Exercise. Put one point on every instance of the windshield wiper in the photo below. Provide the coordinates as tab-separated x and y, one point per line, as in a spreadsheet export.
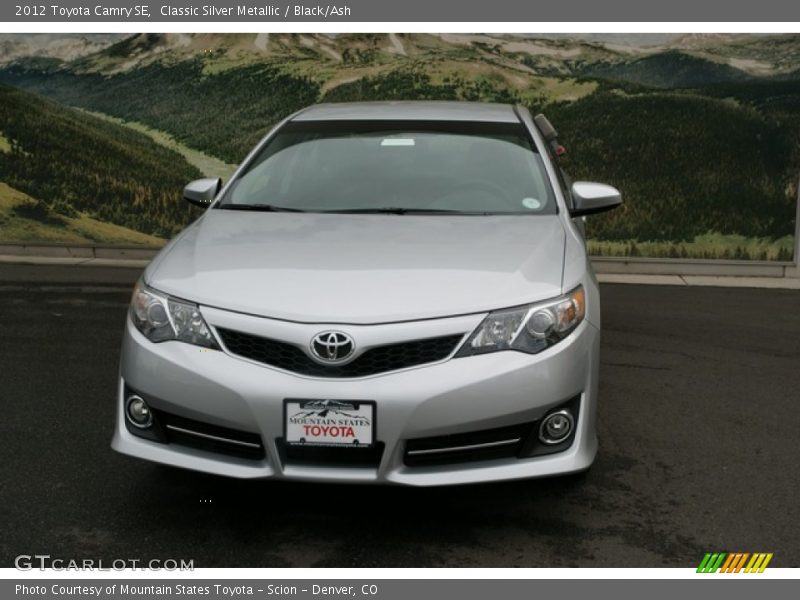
259	207
384	210
398	210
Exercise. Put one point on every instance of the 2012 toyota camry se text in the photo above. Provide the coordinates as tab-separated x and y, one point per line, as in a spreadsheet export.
390	292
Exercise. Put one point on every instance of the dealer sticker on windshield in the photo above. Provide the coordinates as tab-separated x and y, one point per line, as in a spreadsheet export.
330	423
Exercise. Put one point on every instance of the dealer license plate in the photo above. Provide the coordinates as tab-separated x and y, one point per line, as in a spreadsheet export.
330	423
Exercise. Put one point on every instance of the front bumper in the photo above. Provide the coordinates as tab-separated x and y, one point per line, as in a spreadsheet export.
455	396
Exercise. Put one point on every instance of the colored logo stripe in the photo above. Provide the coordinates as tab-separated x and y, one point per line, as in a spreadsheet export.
758	563
734	562
711	562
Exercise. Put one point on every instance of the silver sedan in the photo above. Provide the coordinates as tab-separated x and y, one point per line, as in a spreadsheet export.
383	292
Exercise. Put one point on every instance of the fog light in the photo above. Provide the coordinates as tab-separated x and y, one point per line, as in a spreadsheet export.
138	412
556	427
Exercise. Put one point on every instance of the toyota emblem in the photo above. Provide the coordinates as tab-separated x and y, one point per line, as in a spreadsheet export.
332	346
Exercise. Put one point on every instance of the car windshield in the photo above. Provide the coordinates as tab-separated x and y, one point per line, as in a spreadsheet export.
398	167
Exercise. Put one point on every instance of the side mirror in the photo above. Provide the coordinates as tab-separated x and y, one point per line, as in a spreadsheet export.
201	192
590	198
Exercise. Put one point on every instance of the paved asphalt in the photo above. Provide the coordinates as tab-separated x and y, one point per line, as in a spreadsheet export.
699	420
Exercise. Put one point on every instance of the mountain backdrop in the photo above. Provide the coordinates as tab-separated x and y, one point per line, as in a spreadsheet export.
700	132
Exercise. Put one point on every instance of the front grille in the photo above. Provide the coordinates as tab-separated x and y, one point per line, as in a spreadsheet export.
379	359
330	456
503	442
212	438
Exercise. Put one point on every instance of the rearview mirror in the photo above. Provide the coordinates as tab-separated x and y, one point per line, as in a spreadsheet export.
589	198
201	192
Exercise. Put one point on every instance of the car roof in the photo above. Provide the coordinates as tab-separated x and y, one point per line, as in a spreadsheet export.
410	111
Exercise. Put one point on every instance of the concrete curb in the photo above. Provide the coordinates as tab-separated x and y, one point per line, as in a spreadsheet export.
39	252
785	283
701	267
102	271
118	263
77	252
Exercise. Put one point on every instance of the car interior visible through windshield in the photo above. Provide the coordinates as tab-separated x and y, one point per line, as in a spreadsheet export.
436	166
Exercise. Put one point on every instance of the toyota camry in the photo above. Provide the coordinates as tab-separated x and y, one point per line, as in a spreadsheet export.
388	292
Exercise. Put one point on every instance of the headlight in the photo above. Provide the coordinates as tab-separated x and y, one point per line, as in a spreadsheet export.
161	318
530	328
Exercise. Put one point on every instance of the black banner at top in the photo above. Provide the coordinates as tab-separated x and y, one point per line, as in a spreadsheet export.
255	11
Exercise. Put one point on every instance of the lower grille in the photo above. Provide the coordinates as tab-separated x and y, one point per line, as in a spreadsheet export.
212	438
515	441
503	442
327	456
379	359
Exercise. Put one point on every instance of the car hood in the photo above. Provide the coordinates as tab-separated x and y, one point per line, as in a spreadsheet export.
334	268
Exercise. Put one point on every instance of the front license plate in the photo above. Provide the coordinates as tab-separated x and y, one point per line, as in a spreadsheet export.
330	423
